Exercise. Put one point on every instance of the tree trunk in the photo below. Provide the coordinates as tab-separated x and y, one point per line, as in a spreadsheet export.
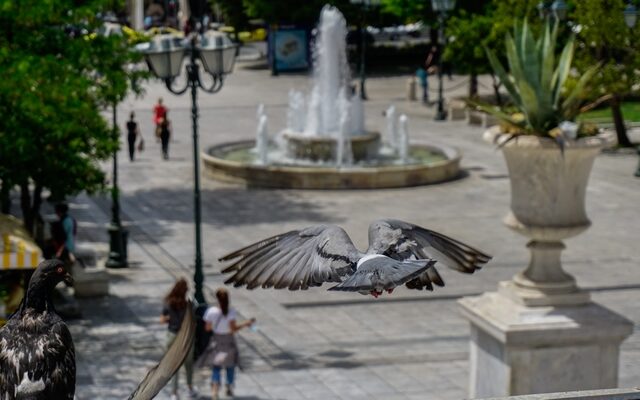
25	206
473	86
618	121
30	205
496	90
5	197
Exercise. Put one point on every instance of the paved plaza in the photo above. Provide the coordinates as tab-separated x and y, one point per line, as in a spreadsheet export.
316	344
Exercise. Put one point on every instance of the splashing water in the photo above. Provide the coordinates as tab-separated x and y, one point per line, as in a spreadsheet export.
331	89
262	140
392	126
344	153
403	138
296	113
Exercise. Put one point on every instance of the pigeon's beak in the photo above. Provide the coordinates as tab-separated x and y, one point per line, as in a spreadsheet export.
68	279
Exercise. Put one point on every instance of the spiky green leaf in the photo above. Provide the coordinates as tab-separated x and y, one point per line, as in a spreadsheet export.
503	76
571	105
562	72
496	112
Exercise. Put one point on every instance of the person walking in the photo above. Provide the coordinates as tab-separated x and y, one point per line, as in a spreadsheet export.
159	115
221	320
69	226
423	76
173	312
165	135
133	132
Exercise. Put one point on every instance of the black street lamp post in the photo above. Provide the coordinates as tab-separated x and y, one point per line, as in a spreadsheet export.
363	41
117	235
441	7
216	53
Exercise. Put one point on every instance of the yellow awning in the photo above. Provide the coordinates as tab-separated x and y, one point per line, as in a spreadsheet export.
17	249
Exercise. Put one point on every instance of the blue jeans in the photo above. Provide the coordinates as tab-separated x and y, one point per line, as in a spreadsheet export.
216	376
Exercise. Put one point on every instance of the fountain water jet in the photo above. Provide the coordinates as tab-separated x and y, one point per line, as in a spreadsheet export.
262	140
316	133
403	139
392	126
325	144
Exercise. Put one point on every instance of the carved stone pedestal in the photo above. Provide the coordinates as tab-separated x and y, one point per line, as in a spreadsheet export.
518	349
540	332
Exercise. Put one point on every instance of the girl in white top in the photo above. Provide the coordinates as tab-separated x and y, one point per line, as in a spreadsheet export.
221	321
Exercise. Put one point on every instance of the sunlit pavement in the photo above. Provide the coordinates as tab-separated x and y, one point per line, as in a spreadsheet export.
317	344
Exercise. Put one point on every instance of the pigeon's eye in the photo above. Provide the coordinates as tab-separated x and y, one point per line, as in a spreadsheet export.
60	270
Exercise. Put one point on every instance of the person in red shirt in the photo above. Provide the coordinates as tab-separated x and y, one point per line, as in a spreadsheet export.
159	115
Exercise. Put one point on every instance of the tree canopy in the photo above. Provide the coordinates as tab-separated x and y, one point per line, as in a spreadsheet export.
603	38
56	78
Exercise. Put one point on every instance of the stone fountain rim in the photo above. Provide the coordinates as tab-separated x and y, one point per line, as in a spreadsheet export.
452	154
365	136
495	135
316	177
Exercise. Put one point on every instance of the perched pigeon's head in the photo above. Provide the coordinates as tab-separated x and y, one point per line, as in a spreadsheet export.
49	273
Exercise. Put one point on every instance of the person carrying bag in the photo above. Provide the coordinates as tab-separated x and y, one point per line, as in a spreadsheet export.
222	351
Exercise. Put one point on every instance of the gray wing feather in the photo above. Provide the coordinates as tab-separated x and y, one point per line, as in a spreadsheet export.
402	240
383	274
294	260
159	376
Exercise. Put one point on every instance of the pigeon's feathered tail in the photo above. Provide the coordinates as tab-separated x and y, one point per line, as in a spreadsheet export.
383	273
159	375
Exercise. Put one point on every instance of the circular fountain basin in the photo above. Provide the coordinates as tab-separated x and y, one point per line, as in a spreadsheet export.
318	148
234	162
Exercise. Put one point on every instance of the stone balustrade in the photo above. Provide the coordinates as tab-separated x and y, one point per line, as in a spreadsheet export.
606	394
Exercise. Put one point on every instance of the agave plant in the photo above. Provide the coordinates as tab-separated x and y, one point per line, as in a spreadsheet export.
536	82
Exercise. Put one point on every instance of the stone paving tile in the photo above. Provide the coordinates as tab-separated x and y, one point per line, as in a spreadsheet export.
413	343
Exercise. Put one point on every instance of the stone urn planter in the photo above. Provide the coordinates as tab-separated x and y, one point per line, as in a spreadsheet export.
539	332
548	190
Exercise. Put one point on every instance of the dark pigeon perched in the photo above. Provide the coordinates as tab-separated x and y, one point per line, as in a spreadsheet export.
399	253
37	357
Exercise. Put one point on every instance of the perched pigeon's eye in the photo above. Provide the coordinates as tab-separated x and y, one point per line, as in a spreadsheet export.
60	270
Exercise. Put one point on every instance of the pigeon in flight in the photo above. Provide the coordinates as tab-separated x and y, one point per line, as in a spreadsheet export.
37	356
399	253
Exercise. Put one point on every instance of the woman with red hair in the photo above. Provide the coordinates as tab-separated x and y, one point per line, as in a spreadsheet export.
173	312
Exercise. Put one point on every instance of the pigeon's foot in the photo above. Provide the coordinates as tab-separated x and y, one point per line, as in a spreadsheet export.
389	291
376	293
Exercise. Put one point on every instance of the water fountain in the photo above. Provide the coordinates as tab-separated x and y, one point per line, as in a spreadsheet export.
325	144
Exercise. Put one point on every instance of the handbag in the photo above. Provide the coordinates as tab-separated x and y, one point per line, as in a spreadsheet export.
203	338
141	145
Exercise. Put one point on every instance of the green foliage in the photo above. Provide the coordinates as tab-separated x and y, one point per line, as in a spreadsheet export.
630	109
293	11
536	82
506	13
235	13
604	38
468	36
56	78
407	10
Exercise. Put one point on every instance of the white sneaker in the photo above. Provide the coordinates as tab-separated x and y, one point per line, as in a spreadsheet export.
193	394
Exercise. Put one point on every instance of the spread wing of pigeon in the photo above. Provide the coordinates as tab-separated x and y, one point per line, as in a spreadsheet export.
158	376
399	253
37	356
